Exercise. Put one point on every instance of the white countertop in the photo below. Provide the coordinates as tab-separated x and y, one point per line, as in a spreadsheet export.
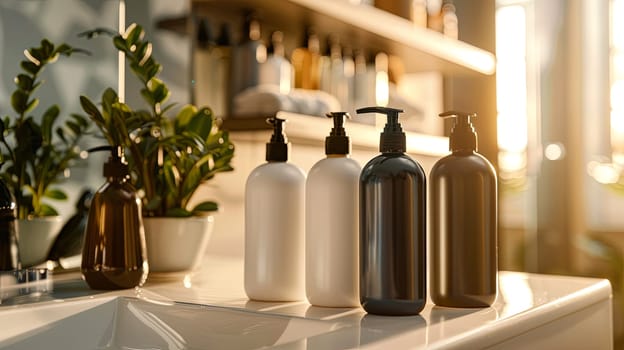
527	304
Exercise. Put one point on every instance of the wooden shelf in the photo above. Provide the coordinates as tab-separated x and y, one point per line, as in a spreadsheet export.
362	26
313	130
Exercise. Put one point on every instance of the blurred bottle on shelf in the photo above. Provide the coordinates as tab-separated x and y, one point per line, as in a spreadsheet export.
277	70
361	83
442	17
434	15
348	85
449	20
211	68
334	71
305	60
247	56
419	13
201	62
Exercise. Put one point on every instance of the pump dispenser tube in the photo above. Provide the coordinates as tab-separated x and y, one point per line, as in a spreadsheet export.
463	222
274	225
392	226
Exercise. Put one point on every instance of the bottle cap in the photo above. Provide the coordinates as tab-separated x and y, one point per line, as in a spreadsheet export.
463	136
392	139
338	142
277	148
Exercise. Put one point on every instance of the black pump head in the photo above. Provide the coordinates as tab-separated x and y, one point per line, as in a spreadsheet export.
463	136
116	165
277	148
392	139
337	142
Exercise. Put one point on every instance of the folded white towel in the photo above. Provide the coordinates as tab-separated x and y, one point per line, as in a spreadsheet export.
266	100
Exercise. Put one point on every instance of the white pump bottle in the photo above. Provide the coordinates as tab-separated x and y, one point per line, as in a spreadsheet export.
332	224
274	225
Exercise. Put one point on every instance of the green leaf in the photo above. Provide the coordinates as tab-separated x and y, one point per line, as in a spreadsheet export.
153	204
47	210
29	138
30	67
184	117
191	182
147	96
24	82
61	134
158	89
37	54
91	109
120	44
80	120
133	33
143	52
19	101
55	194
201	123
206	206
47	122
151	70
47	49
74	127
64	49
31	105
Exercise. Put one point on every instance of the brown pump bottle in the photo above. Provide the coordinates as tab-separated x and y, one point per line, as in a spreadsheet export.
463	222
114	254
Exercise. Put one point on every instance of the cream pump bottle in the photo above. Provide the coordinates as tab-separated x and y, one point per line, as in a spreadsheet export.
274	225
392	226
463	222
331	240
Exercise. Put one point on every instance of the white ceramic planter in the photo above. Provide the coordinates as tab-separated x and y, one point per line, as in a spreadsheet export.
176	244
36	237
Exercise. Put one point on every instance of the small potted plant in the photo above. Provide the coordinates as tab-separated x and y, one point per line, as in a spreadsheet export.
169	156
36	153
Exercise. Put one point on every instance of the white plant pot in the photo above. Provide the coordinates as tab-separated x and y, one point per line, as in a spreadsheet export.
36	237
176	244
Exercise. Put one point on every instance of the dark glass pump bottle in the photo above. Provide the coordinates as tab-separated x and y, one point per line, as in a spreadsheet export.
114	254
463	222
9	252
392	226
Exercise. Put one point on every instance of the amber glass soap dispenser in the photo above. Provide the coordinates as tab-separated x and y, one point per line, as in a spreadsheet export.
392	226
114	254
463	222
9	246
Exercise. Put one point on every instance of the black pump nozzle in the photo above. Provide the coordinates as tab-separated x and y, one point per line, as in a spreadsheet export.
116	165
337	142
463	136
204	34
392	139
277	148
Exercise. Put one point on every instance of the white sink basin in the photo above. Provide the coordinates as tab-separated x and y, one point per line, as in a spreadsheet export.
129	323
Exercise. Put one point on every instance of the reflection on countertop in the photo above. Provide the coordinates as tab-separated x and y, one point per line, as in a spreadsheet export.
209	306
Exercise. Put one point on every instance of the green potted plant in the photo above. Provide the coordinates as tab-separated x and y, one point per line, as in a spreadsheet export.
37	152
169	155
